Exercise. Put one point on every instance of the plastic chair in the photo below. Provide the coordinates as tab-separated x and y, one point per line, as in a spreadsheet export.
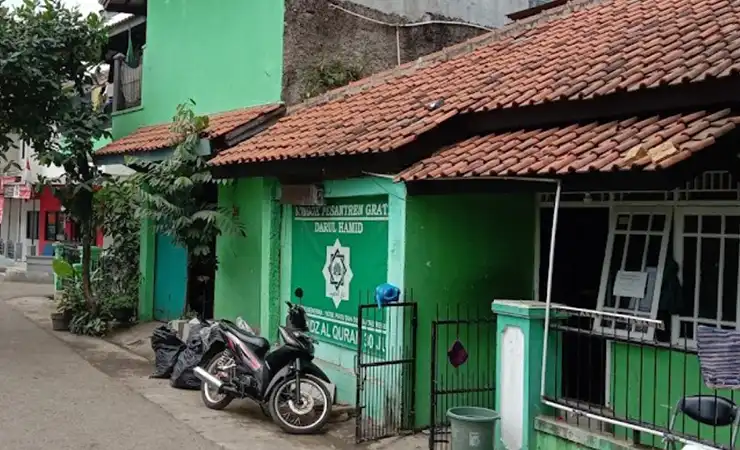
708	410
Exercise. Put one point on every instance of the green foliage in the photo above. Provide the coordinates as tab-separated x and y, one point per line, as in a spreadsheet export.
330	75
46	52
173	192
88	323
62	268
72	299
117	283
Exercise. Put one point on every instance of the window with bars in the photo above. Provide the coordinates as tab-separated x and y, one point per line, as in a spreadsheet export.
703	285
708	247
632	273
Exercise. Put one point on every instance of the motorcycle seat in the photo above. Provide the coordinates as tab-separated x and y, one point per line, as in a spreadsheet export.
259	344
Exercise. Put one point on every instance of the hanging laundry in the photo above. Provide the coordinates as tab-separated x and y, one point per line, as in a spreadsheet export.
718	357
457	355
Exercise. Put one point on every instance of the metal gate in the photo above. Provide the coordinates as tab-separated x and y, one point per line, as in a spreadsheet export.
463	366
386	370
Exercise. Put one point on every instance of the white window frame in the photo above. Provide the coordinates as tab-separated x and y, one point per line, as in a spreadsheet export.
677	320
614	213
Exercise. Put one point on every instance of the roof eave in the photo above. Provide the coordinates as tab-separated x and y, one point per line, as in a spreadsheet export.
156	155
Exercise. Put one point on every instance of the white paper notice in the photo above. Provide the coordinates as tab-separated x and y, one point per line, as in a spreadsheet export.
630	284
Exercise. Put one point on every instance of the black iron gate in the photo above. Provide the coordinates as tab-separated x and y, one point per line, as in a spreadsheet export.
463	366
385	369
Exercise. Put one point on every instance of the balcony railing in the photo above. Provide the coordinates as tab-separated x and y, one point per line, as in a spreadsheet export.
630	387
126	84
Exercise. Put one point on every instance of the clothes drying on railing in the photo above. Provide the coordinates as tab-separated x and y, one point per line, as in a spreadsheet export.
719	357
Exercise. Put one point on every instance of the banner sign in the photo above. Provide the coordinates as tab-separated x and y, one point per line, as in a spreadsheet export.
21	191
339	256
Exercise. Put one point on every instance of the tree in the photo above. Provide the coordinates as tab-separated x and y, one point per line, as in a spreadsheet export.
46	55
173	193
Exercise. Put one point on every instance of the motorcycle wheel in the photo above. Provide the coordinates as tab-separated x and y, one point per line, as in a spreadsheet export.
210	396
283	406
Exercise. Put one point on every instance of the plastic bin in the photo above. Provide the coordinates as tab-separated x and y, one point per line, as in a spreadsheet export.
472	428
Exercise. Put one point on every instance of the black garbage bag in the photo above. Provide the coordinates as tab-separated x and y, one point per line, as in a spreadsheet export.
182	375
167	348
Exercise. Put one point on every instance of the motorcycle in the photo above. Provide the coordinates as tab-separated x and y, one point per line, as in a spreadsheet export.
284	381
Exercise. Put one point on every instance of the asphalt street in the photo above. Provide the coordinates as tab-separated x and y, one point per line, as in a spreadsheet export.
51	398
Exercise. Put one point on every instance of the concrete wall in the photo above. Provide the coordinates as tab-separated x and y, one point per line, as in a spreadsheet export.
490	13
554	434
318	35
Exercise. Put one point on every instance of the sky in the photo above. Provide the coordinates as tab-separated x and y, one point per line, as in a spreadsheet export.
86	6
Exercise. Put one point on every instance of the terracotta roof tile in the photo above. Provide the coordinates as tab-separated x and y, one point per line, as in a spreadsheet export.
647	144
157	137
581	50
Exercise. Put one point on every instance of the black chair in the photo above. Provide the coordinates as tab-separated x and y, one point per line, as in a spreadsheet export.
709	410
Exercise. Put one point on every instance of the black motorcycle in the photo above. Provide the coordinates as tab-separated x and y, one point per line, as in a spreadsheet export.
240	364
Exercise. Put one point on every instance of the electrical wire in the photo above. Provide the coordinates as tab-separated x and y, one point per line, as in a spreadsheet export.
409	25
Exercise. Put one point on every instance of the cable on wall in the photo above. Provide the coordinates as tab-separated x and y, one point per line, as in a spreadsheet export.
398	26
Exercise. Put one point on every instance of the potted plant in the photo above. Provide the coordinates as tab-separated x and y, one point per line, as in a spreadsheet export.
71	301
122	308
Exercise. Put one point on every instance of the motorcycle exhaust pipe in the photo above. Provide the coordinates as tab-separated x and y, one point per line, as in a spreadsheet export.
207	378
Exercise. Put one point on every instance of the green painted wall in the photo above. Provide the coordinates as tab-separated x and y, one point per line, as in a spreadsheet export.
466	249
127	121
241	282
661	377
336	361
223	58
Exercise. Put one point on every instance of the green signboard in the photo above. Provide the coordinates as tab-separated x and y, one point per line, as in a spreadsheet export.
340	254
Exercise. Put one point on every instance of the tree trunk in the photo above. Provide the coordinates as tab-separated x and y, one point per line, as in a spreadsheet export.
86	264
188	304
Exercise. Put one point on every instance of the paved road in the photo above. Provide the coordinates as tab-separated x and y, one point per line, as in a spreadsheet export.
51	398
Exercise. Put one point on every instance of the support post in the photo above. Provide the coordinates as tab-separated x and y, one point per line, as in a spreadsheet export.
520	343
117	61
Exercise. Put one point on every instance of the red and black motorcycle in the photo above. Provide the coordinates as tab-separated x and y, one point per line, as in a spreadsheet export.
285	381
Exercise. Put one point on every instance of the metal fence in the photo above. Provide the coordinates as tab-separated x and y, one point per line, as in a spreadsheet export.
463	364
613	379
385	369
70	252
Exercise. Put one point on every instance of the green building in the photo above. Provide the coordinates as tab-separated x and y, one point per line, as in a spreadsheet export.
185	50
443	177
440	177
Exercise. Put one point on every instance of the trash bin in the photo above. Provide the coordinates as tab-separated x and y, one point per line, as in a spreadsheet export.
472	428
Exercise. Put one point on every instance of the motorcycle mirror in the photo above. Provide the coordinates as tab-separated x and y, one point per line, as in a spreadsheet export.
299	293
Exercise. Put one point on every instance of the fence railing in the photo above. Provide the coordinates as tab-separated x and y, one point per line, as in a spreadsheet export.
463	364
615	380
385	368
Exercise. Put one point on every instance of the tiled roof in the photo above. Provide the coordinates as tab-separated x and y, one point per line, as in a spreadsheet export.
157	137
648	144
578	51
